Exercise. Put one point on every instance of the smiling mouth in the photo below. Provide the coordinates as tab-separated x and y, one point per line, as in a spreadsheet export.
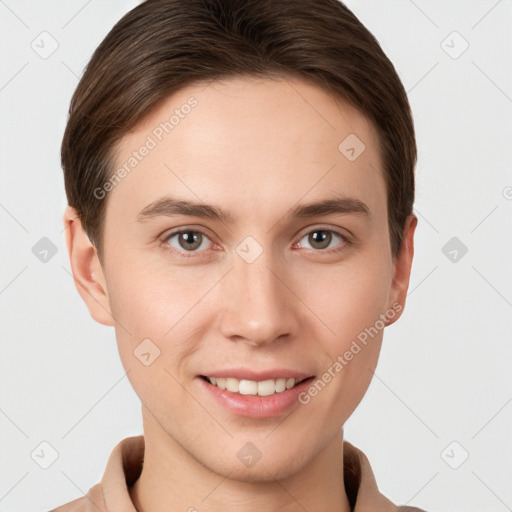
250	387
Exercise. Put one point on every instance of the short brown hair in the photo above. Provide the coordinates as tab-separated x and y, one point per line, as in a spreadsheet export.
162	46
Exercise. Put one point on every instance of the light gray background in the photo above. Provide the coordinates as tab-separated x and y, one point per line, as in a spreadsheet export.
444	373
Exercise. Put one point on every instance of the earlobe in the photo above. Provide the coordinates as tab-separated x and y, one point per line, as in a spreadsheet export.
86	268
402	269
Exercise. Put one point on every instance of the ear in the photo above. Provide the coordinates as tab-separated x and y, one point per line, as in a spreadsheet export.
87	271
402	269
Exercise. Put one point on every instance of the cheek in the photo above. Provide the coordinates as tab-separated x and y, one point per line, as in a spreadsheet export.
351	355
349	299
150	296
352	303
153	331
167	307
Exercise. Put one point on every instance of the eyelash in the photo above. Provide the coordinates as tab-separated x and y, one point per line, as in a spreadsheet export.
346	242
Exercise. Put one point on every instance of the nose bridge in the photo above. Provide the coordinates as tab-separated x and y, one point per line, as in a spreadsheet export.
257	305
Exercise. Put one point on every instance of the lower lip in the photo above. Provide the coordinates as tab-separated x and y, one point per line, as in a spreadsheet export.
255	406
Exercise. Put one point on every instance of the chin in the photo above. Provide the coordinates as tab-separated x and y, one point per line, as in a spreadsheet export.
259	474
261	471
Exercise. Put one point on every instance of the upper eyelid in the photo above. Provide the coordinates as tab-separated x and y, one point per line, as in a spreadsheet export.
337	231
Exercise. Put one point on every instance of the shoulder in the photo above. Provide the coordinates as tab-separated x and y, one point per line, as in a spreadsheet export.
77	505
93	501
361	486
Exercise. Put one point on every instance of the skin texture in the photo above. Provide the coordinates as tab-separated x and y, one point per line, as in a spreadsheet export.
257	148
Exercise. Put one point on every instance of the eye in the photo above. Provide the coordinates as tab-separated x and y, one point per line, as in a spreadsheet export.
186	240
321	239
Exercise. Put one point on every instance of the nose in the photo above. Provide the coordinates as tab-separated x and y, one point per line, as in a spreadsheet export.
258	306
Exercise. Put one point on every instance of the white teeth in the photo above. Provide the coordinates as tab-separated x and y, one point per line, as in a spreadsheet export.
280	385
251	387
248	387
232	385
290	383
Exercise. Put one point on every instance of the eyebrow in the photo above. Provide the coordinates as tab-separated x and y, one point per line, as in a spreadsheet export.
170	206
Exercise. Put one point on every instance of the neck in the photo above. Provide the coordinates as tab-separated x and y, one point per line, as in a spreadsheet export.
172	479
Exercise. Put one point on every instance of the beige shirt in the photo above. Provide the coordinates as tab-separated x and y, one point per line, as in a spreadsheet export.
125	465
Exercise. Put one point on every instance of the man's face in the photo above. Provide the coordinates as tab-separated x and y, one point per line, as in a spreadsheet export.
263	290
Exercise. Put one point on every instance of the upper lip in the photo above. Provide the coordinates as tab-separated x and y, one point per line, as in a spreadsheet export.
247	374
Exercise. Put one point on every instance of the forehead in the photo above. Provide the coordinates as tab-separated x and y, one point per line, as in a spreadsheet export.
251	139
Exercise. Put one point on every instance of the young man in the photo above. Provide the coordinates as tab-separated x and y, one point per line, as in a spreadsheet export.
240	179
